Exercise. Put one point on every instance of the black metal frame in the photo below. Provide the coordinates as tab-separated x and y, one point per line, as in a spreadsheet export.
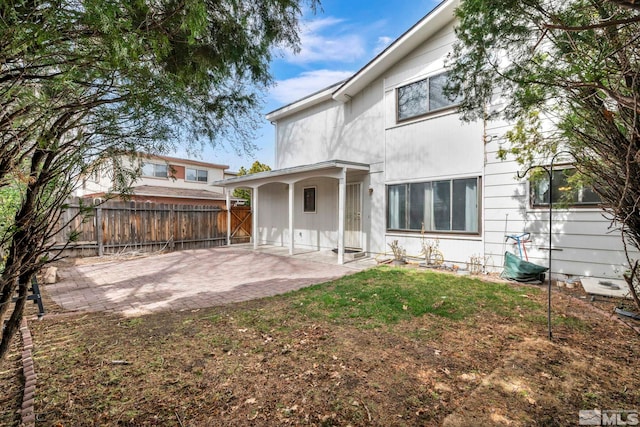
35	296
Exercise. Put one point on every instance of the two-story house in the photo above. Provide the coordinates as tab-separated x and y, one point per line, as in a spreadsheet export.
166	179
384	156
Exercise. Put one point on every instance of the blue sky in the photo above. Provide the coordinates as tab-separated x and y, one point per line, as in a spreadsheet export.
336	42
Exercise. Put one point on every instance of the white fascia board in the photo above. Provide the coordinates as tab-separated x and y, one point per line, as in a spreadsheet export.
269	175
405	44
302	104
184	197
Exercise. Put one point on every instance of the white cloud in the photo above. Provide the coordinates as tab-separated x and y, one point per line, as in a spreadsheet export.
321	40
383	42
305	84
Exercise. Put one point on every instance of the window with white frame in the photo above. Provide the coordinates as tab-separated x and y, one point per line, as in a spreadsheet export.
156	170
309	199
422	97
565	190
198	175
440	206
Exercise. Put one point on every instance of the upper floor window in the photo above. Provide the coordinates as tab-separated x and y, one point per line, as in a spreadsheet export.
422	97
155	170
565	190
199	175
448	205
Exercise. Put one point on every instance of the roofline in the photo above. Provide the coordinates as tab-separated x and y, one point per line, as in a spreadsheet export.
221	197
185	161
103	193
306	102
289	171
402	46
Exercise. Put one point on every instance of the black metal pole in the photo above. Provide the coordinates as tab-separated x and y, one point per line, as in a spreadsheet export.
550	172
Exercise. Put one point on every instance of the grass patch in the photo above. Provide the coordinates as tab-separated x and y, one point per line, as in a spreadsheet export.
386	295
313	357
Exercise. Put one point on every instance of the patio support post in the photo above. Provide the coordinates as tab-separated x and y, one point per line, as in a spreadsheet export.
254	214
291	210
228	197
342	199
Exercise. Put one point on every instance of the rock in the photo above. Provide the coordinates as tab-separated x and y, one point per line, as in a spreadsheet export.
50	275
443	388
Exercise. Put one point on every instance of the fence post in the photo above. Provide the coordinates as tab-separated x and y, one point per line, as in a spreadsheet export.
99	230
228	200
172	226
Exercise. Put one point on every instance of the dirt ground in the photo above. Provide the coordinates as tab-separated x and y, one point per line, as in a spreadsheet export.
265	362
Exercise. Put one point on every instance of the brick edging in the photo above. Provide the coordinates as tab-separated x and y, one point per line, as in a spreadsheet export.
27	411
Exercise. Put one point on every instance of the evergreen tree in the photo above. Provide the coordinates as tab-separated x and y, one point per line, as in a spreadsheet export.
83	82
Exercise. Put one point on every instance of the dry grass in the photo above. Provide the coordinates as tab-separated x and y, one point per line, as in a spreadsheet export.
343	353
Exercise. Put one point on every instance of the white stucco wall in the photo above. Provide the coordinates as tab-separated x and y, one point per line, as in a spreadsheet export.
428	148
332	130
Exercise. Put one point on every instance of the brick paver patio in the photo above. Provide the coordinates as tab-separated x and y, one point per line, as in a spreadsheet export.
187	280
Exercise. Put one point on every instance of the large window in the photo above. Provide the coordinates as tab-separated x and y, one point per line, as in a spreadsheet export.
155	170
565	190
199	175
450	205
422	97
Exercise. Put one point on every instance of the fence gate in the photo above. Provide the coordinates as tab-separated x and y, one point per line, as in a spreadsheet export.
241	224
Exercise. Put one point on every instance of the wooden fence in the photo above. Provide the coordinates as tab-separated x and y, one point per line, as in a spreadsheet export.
125	227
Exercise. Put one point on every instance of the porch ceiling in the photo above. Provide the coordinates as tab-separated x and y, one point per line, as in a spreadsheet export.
332	168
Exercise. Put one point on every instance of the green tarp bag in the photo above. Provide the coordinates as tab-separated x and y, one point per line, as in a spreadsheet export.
520	270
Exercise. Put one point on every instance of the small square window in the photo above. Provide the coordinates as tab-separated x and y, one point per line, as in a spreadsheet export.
310	199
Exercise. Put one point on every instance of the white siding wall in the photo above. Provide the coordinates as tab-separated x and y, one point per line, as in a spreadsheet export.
317	230
310	230
273	220
581	236
435	147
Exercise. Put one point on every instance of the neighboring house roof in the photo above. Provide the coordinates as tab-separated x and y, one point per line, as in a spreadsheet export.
269	175
178	193
181	193
186	161
405	44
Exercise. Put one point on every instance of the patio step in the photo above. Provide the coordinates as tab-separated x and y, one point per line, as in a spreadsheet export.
351	256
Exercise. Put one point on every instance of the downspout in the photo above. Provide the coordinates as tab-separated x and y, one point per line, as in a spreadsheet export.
275	146
484	183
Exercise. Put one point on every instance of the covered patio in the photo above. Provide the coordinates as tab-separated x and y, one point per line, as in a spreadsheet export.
280	194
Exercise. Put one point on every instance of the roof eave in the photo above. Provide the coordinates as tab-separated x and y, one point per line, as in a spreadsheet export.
230	182
304	103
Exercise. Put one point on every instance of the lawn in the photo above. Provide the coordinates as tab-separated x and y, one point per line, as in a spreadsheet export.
384	347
